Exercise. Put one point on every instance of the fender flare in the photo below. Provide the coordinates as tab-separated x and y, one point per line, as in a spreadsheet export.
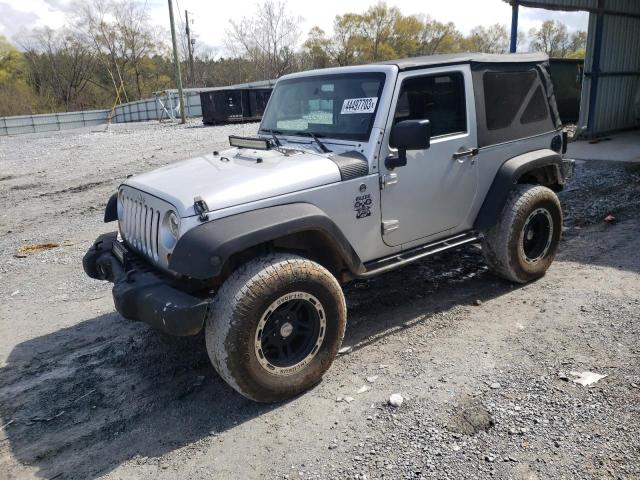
507	176
202	251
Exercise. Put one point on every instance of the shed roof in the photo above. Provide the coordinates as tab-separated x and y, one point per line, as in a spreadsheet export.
456	58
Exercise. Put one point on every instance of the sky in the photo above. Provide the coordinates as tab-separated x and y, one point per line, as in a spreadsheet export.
211	17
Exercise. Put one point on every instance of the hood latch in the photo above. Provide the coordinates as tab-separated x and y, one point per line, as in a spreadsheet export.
201	208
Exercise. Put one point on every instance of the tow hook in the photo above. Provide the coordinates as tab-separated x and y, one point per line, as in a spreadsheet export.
201	208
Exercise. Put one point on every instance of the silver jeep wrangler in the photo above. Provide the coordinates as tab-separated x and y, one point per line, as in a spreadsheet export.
355	171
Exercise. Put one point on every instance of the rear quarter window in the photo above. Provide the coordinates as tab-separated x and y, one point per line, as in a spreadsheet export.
504	93
537	109
514	105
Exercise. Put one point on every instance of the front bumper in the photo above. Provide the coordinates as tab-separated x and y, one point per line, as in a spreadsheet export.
141	294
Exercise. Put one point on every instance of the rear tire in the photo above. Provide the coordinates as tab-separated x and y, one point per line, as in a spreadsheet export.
276	326
523	243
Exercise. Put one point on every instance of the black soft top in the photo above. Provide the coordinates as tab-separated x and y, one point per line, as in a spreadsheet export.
458	58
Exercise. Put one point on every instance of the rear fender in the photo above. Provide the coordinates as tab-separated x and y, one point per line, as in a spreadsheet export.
510	173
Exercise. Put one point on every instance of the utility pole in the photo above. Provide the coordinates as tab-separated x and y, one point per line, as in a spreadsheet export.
183	118
190	45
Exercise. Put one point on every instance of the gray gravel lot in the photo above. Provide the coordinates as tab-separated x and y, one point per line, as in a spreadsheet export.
483	366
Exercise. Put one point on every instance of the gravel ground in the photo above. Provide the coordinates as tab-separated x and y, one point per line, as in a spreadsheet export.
484	367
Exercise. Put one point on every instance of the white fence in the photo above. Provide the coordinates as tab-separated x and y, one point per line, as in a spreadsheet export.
151	109
140	111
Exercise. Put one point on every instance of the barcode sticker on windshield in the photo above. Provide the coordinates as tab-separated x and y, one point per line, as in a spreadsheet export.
359	105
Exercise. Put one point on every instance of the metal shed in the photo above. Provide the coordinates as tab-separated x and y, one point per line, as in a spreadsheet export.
610	99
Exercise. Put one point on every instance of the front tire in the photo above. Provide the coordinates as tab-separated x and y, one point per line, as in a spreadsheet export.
276	326
523	243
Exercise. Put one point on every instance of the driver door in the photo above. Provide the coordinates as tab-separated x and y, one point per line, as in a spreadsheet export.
432	195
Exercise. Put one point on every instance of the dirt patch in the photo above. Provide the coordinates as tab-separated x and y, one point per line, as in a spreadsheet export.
36	248
470	416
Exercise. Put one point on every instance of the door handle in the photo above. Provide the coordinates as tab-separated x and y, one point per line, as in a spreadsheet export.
463	153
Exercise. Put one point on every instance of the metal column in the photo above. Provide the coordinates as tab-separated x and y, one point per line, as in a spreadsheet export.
595	69
514	26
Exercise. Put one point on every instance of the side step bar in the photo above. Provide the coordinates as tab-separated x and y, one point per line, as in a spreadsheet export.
398	260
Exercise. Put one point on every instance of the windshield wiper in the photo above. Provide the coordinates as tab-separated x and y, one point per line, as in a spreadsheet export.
273	135
322	146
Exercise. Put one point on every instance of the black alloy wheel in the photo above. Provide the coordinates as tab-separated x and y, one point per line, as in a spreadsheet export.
537	234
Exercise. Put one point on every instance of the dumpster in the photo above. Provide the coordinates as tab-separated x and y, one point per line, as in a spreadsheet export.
566	75
233	105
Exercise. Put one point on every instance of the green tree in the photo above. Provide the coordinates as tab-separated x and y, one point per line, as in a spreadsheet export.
318	48
551	38
347	40
437	37
16	95
578	44
380	33
492	39
377	33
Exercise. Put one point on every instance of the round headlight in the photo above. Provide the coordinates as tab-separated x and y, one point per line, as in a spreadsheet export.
174	224
170	230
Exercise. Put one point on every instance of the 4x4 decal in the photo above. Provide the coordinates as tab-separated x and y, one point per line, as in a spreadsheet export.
362	206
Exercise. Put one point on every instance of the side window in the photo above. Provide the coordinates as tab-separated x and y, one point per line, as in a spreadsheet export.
437	98
504	94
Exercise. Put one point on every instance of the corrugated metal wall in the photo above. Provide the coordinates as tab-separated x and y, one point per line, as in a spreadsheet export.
615	106
559	4
626	6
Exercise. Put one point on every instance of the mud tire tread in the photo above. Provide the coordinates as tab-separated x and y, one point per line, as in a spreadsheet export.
499	245
233	312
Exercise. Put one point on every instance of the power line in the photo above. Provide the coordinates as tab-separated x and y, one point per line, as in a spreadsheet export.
180	16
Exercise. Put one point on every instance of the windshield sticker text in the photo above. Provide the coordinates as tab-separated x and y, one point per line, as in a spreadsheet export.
359	105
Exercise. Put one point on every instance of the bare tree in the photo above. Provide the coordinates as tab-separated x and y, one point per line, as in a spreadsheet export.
122	38
268	39
61	65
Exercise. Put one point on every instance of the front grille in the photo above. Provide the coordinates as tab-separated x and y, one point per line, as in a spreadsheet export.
140	225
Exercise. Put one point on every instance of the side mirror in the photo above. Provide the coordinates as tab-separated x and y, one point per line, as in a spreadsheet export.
408	135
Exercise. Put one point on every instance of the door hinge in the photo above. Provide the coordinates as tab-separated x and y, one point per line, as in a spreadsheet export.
389	226
388	179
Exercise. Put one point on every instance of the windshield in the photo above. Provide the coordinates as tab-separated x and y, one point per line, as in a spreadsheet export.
338	106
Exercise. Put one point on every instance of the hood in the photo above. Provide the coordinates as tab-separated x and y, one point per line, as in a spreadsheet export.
236	176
